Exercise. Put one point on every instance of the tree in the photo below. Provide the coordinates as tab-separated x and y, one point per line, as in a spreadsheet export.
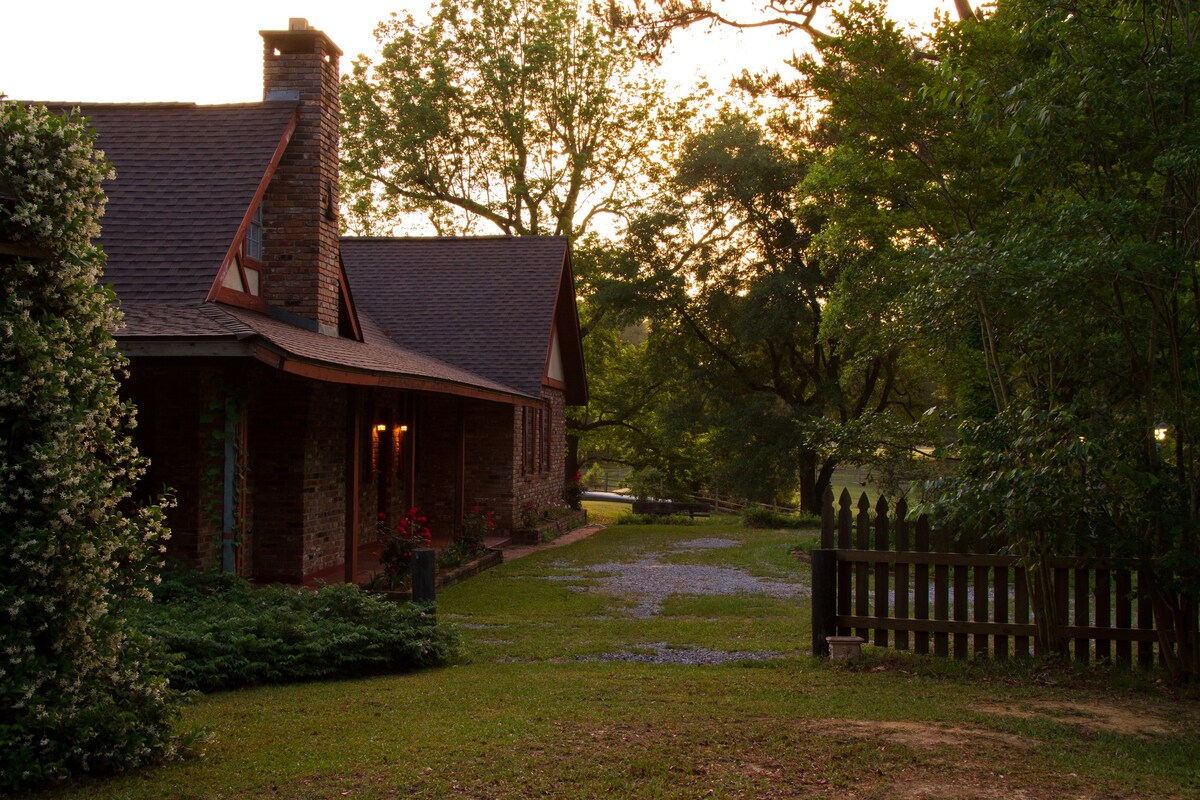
1087	299
80	691
735	285
1038	173
531	116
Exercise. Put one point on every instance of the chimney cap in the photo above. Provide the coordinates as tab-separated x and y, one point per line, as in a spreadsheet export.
300	37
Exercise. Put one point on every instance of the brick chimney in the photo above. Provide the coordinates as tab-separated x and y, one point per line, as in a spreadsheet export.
300	226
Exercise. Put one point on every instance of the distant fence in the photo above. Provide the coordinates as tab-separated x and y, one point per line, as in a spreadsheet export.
900	583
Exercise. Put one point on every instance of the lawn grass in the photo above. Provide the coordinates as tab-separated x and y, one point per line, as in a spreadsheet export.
533	713
605	512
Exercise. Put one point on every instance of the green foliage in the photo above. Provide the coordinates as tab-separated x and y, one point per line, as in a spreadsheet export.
763	517
731	273
225	633
530	115
79	690
654	519
1033	176
468	542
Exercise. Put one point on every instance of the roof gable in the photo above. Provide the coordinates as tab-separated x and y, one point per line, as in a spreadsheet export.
490	305
187	179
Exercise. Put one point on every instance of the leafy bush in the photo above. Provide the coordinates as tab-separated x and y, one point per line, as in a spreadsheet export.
79	691
763	517
654	519
225	632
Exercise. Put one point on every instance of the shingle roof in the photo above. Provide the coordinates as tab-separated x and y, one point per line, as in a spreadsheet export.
186	176
376	355
456	315
486	304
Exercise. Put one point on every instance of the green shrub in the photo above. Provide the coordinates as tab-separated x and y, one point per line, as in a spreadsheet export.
224	632
79	691
654	519
762	517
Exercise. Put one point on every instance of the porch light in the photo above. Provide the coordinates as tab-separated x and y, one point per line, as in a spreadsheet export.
402	428
381	427
1160	432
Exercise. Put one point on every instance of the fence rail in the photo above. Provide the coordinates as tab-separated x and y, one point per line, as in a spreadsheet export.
901	583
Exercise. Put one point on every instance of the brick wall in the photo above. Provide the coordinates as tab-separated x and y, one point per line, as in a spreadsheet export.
542	484
298	472
436	427
178	432
300	231
324	483
278	421
489	468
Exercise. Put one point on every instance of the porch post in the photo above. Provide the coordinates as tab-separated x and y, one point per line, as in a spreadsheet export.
460	469
353	459
228	554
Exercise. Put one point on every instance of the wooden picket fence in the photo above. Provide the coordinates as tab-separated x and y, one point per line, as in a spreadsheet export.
903	584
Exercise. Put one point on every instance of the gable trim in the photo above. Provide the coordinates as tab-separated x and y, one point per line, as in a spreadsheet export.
218	282
344	297
570	347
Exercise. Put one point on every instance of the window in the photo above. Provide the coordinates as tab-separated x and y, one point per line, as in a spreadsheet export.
545	417
254	236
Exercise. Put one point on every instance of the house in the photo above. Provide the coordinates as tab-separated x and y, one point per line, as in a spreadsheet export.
296	389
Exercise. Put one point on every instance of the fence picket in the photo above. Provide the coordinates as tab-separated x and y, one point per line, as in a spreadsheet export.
921	585
1083	645
901	572
1124	581
881	569
980	610
1000	603
1094	599
1062	603
1103	595
1145	615
843	572
1021	609
941	596
827	519
961	599
862	570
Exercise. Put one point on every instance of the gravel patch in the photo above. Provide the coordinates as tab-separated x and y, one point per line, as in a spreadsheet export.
660	653
648	581
709	543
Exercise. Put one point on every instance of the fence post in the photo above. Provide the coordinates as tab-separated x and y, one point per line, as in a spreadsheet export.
824	599
424	572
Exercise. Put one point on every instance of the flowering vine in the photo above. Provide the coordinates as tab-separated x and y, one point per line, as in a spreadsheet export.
80	691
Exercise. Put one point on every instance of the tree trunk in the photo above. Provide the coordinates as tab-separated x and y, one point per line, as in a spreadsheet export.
815	477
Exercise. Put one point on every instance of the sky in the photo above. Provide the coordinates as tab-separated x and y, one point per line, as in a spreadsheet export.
123	51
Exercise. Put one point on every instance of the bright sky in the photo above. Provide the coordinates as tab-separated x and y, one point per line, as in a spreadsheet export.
210	52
